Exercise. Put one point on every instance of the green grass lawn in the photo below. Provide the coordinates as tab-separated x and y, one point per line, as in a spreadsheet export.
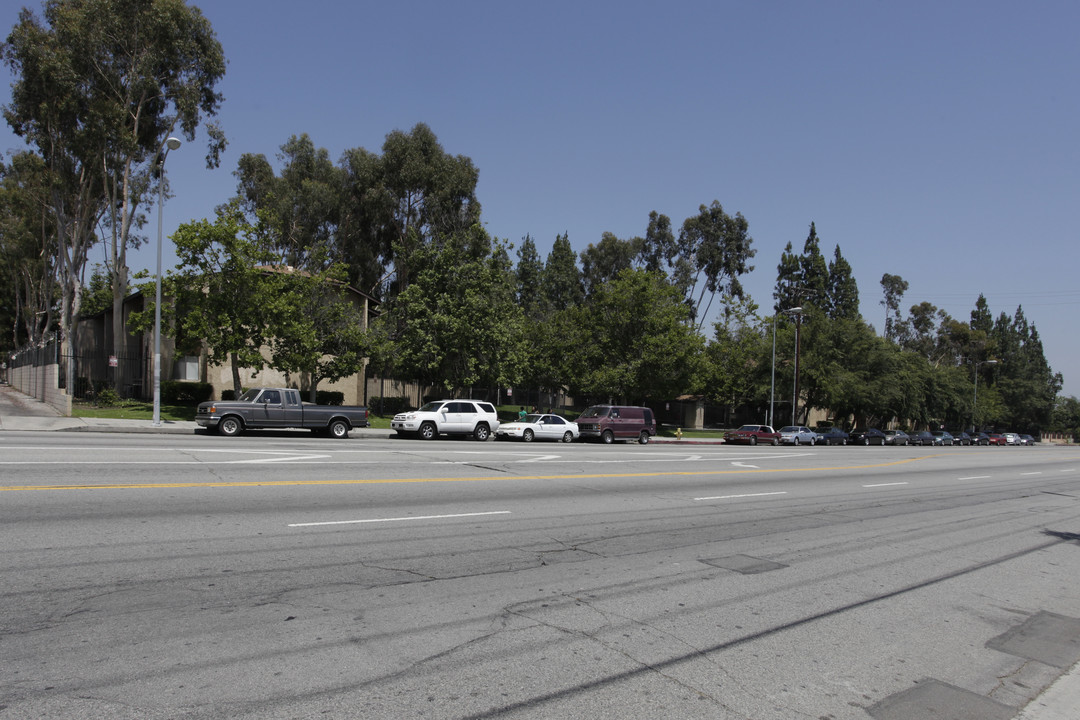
132	410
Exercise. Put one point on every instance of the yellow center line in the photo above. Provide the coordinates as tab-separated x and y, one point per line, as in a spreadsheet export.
480	478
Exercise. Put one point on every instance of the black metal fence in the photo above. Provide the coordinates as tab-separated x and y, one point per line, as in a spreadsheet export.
127	374
94	372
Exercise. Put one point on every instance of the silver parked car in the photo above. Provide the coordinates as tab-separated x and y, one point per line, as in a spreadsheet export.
896	437
797	435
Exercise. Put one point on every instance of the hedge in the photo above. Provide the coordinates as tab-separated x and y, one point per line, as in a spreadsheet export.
182	392
390	405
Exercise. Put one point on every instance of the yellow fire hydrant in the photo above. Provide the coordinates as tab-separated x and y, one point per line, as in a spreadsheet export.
678	433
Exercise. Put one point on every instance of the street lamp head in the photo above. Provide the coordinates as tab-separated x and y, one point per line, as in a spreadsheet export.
173	143
795	310
990	362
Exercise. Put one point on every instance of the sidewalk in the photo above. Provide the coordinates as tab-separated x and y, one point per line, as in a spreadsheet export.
21	412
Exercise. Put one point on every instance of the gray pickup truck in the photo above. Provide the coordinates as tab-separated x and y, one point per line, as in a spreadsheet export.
268	408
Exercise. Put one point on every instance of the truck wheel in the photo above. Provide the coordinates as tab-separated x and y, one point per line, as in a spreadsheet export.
608	437
482	432
568	437
339	429
230	426
527	436
428	431
643	438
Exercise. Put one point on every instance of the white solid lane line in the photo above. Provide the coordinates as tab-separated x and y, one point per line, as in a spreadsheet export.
732	497
884	484
399	519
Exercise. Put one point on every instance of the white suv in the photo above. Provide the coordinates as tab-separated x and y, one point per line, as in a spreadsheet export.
461	417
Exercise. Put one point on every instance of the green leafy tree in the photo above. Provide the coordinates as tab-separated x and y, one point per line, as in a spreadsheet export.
315	330
802	280
842	296
530	280
1066	416
981	319
299	210
893	287
456	325
28	270
224	291
1027	384
99	86
659	248
605	260
98	294
427	196
717	246
562	283
633	341
737	363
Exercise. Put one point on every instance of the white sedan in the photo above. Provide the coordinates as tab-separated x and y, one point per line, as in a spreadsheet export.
797	435
539	427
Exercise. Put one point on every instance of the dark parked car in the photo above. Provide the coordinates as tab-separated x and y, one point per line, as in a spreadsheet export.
832	436
921	437
896	437
608	423
960	437
1027	440
870	436
980	439
943	438
752	435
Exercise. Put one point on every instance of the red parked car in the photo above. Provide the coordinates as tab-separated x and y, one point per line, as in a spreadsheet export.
997	439
752	435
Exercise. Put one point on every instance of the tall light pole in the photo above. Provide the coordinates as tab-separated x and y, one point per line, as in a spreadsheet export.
163	152
795	389
975	398
772	383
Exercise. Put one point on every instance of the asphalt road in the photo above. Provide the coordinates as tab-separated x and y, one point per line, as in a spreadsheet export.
284	576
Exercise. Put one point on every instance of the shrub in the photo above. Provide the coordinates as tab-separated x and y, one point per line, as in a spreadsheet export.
329	397
182	392
107	397
389	405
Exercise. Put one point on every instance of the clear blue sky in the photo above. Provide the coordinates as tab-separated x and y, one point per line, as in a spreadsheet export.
936	140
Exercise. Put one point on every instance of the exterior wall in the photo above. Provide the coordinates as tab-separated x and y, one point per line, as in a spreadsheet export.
220	378
379	387
41	382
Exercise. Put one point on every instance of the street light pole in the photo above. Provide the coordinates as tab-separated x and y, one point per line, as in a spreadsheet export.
975	398
795	388
772	383
163	152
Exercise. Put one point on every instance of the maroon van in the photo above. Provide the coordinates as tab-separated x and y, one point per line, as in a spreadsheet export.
609	423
